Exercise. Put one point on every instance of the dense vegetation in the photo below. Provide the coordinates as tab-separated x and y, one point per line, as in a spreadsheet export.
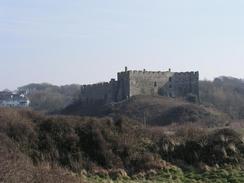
144	139
49	98
114	149
226	94
159	111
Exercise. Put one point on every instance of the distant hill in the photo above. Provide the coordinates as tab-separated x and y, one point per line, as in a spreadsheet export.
153	111
48	98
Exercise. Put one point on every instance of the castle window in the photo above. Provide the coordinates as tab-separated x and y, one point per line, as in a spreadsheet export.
155	84
170	79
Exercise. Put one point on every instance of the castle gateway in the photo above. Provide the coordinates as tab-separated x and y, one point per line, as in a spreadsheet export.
131	83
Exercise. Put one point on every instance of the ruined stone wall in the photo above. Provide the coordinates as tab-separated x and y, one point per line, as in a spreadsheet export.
104	92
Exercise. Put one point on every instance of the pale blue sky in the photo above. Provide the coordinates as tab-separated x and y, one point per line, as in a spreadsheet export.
86	41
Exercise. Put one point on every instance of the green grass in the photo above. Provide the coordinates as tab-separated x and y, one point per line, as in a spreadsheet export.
241	131
176	175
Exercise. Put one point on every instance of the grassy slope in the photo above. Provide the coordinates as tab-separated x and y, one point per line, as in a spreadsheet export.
176	175
76	143
155	110
16	166
163	111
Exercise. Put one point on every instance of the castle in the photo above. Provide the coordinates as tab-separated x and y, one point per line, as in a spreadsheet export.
131	83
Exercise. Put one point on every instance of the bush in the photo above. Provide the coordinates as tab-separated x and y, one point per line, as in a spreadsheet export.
78	143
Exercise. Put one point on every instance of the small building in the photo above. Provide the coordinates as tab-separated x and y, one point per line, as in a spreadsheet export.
10	99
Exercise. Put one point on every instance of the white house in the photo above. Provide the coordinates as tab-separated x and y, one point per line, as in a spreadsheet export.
9	99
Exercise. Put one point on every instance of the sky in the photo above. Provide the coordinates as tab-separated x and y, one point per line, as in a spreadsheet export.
86	41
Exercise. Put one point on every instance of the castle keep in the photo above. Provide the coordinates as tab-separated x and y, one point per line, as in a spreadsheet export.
131	83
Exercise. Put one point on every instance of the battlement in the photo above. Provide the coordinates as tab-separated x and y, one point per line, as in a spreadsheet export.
155	73
149	72
101	84
143	72
187	73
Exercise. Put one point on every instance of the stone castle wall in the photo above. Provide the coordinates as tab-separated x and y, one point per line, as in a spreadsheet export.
147	83
99	92
185	83
132	83
123	86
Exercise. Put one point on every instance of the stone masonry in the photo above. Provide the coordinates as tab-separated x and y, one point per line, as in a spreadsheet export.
131	83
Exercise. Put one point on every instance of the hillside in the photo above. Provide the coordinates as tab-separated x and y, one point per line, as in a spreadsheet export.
16	166
37	148
153	111
17	135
